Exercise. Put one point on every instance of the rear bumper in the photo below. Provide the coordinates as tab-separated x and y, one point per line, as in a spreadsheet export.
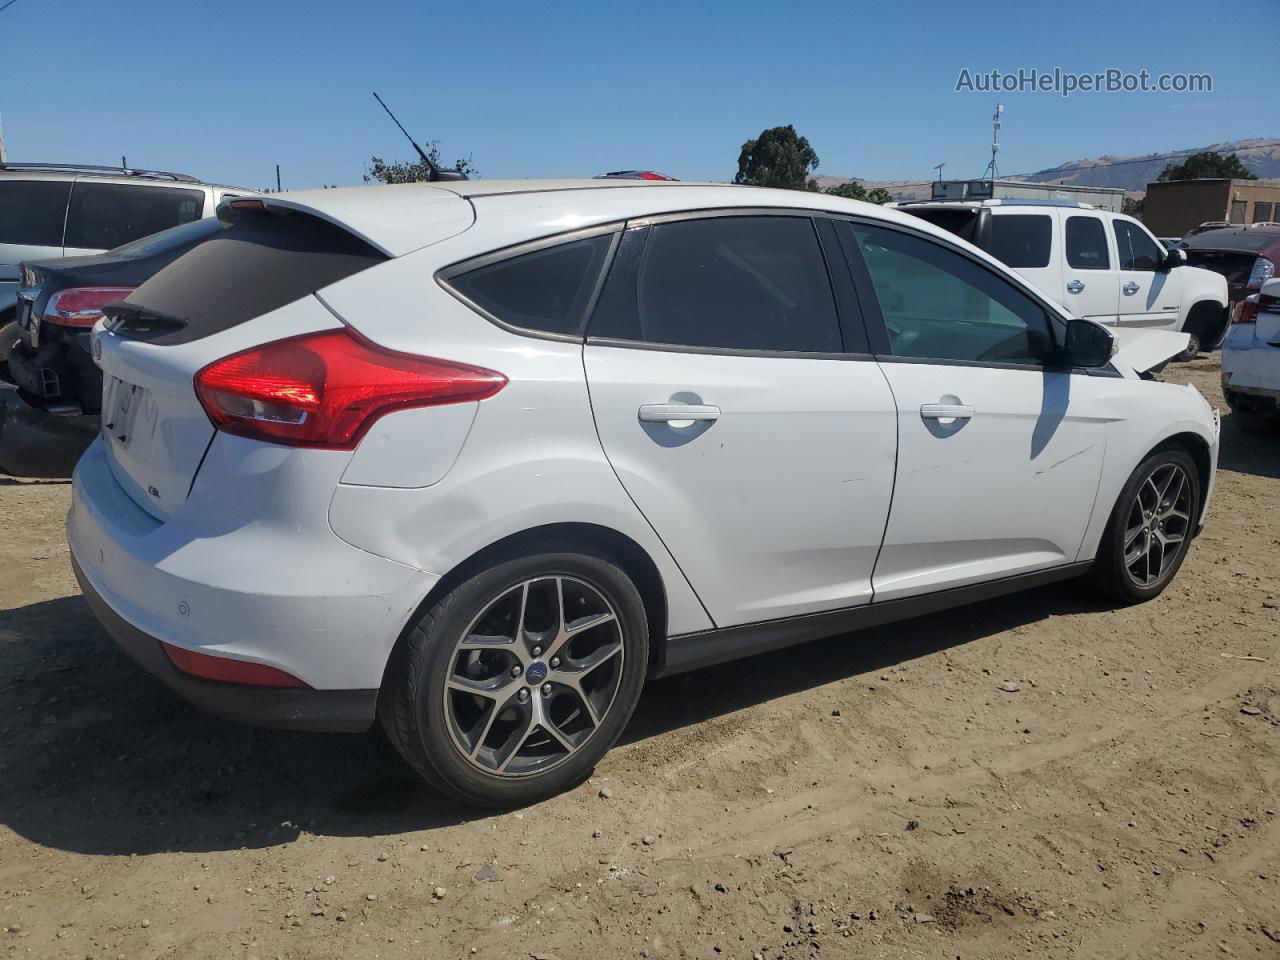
340	711
36	443
247	569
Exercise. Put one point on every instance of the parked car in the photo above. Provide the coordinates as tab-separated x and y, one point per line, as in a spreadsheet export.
55	415
1245	257
1251	360
64	210
1205	227
477	465
1097	264
634	175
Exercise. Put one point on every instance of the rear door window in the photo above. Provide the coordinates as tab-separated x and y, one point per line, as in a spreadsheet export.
106	215
724	283
547	290
32	212
1021	240
1086	242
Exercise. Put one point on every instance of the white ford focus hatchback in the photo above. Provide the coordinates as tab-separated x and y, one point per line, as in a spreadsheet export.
475	459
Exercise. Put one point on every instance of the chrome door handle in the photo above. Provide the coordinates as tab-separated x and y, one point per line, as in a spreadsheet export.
946	411
1075	286
1130	288
677	412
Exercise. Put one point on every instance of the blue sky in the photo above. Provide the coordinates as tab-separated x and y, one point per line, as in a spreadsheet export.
226	90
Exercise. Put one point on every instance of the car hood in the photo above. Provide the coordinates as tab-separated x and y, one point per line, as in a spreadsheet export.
1140	349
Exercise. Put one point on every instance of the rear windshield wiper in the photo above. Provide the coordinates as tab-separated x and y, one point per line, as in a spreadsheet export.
138	321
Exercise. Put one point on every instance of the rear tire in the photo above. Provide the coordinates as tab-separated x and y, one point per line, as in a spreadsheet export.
495	695
1150	528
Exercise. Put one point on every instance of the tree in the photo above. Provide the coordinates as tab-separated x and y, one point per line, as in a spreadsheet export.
1207	165
779	157
856	191
1132	207
382	172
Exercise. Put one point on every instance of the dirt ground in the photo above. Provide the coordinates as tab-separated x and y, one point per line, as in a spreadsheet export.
1036	776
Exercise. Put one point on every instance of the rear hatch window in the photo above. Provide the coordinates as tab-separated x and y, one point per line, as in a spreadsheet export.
261	262
1235	265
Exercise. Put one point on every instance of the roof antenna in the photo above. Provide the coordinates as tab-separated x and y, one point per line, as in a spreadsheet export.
433	172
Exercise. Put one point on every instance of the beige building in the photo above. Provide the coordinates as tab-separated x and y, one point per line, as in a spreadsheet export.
1174	207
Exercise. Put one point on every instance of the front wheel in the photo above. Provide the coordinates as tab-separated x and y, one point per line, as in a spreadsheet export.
515	683
1193	349
1150	528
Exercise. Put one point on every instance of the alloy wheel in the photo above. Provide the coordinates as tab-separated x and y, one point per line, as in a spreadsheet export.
533	676
1158	523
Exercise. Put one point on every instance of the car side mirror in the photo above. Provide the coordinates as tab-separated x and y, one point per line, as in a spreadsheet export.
1269	296
1174	258
1088	344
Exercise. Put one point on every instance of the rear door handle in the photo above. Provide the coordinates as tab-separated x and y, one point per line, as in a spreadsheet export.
1130	288
676	412
946	411
1075	286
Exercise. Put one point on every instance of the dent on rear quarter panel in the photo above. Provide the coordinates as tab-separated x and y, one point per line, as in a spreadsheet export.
531	457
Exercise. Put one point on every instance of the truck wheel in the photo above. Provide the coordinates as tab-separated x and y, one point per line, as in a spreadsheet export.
1193	349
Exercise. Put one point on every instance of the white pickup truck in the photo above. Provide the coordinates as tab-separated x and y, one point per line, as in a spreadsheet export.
1100	265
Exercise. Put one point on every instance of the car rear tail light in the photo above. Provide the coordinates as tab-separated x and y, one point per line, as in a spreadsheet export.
81	306
1246	311
326	389
1263	270
228	670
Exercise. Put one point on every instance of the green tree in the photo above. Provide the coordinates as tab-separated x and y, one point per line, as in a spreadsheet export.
850	191
856	191
779	157
1207	165
1132	207
382	172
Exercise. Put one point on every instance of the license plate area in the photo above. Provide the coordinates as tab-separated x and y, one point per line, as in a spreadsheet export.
121	402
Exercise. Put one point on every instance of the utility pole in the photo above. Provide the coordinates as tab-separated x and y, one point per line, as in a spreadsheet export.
3	155
277	178
938	167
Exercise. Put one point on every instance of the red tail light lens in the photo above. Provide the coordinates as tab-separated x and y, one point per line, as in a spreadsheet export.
326	389
1246	311
81	306
228	670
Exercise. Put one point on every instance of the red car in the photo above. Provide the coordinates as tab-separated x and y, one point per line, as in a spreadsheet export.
1246	256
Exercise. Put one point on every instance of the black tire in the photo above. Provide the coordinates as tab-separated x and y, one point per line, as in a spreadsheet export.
1193	349
1258	424
412	702
1110	574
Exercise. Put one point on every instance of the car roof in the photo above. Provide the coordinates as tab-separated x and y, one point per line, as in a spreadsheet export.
1241	239
399	218
104	175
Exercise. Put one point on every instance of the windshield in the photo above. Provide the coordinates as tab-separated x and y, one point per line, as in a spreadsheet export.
186	234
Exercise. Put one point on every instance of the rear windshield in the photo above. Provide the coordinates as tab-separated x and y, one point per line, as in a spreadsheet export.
32	212
1247	241
186	235
958	220
106	215
258	264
